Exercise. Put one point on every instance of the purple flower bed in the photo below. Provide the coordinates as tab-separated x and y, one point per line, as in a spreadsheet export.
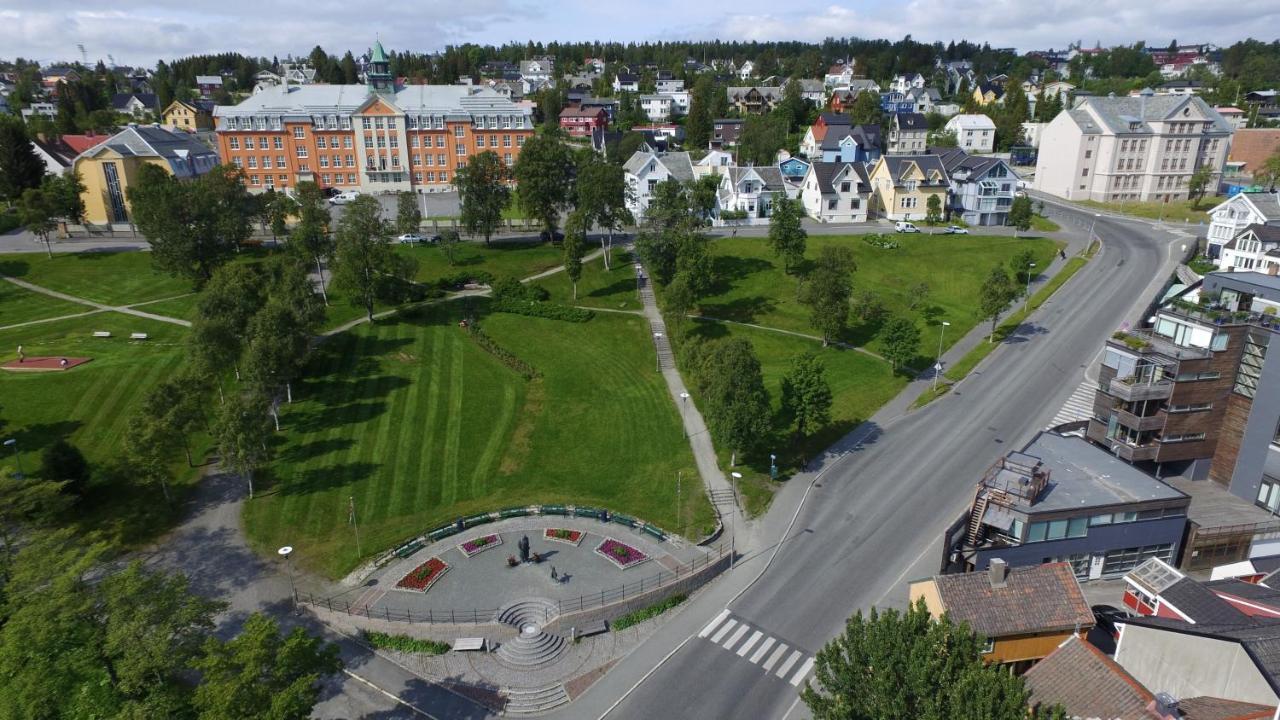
620	554
475	546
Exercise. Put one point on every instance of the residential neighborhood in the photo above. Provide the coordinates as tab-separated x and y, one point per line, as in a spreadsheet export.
547	366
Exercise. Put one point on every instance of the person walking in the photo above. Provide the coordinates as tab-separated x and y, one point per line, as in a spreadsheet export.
555	575
22	357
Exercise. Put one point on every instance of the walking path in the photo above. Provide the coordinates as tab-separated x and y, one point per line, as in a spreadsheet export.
793	333
100	307
722	493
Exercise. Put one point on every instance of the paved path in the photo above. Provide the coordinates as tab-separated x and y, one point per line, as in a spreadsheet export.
125	309
793	333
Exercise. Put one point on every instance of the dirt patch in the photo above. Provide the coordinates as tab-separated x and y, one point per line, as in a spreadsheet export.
576	686
404	357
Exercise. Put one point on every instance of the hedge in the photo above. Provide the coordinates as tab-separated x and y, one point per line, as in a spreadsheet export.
404	643
550	311
638	616
505	356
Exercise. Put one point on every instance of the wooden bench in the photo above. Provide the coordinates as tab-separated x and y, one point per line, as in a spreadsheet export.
138	336
470	644
101	334
590	629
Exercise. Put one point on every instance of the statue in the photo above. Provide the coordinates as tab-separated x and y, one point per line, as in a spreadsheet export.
524	548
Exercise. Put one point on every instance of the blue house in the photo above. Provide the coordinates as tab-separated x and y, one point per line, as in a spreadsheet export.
857	143
793	168
895	102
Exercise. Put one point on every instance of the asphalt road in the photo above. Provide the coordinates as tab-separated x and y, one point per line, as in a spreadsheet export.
874	520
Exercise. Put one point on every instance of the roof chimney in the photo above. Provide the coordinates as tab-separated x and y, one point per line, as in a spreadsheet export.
1166	706
998	572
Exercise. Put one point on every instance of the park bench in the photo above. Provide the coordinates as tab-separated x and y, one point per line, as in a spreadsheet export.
137	336
590	629
469	644
101	334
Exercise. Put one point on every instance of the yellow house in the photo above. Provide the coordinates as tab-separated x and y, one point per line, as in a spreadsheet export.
1024	613
108	170
902	184
986	93
189	116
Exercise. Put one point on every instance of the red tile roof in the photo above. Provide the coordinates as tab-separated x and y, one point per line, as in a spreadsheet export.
80	143
1211	708
1039	598
1087	683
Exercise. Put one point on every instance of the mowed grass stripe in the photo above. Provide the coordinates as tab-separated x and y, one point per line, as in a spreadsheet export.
487	464
431	491
389	426
413	490
453	426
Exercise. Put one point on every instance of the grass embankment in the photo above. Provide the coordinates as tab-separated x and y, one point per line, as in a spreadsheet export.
614	289
1184	211
647	613
1040	223
415	421
111	278
518	260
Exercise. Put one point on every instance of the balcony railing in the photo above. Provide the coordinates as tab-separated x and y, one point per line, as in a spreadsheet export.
1140	422
1134	453
1132	389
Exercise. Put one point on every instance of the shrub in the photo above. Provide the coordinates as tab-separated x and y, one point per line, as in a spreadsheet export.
885	242
457	280
404	643
505	356
509	288
550	311
63	462
638	616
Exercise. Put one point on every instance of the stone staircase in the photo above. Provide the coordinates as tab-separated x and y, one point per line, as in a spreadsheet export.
526	701
533	647
661	341
539	611
723	498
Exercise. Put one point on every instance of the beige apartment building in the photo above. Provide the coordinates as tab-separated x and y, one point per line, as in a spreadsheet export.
1131	148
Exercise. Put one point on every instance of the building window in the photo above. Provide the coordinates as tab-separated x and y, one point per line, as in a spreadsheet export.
458	131
324	180
266	162
479	141
1122	561
253	161
298	132
413	141
506	158
301	151
277	142
417	160
254	179
351	160
234	143
320	142
248	143
506	141
460	150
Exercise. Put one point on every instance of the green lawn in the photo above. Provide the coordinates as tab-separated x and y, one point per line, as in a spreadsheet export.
752	287
1040	223
112	278
91	405
19	305
421	426
612	290
519	260
182	307
1176	211
860	384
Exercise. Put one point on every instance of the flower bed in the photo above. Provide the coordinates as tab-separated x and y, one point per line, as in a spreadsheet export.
475	546
424	576
620	554
563	535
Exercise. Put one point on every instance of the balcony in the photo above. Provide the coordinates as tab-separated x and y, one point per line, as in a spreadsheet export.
1134	453
1140	422
1131	389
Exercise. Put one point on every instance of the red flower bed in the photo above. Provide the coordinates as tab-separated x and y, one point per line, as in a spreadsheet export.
424	576
620	554
564	535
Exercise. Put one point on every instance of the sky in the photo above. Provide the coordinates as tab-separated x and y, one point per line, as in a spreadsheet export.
143	31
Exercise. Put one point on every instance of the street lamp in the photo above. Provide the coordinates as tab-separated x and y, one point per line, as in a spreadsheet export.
937	365
1026	297
1092	225
657	356
733	520
285	552
17	456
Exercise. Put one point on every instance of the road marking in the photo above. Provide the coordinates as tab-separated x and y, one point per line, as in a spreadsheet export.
764	648
724	630
391	696
773	659
802	672
714	622
742	630
746	646
782	670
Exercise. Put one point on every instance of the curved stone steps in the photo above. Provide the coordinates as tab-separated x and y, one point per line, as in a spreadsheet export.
526	701
531	648
537	611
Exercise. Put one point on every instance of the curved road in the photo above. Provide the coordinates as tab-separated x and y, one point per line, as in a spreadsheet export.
874	516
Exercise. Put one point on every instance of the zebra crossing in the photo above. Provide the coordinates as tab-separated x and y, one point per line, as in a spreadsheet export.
1078	407
770	654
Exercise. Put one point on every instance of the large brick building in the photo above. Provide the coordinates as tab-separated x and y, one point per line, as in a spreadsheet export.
375	137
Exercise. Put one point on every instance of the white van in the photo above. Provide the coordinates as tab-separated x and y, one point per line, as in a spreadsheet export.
903	226
344	197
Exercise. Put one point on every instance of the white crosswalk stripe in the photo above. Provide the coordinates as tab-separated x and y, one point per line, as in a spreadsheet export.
764	648
802	672
1078	407
742	630
782	669
714	622
724	630
773	659
746	646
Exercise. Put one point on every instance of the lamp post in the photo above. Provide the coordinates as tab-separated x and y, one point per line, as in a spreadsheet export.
657	356
1093	225
285	552
17	456
1026	296
733	519
937	365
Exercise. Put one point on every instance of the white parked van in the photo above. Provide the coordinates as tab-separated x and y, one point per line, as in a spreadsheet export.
903	226
344	197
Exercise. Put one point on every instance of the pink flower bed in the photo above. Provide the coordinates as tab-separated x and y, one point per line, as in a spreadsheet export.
620	554
424	576
475	546
563	535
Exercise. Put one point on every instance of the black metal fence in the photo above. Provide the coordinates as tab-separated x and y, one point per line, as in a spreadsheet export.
476	616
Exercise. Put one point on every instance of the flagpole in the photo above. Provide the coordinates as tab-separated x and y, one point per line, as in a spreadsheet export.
355	527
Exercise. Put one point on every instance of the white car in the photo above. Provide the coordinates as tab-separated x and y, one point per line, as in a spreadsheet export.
410	238
344	197
955	230
905	227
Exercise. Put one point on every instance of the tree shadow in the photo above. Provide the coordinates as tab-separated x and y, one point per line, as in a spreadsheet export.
337	415
617	288
1022	333
321	479
745	309
303	452
14	268
730	268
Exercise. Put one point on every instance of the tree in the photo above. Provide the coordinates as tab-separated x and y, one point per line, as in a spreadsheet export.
35	212
943	139
64	463
602	198
678	299
408	214
737	403
1021	265
20	168
365	266
193	227
277	345
276	208
996	294
240	430
793	108
933	210
1198	184
866	109
787	235
699	121
895	664
762	137
919	295
806	394
230	299
484	186
311	235
901	340
574	242
449	240
262	674
828	291
1020	213
543	172
30	502
1269	174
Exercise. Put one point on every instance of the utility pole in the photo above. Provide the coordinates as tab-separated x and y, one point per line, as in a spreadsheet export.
355	527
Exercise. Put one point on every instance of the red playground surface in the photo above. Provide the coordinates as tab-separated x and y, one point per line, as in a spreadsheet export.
44	364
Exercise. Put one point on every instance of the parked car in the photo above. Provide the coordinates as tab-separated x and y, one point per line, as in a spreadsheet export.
905	227
1109	616
551	237
411	238
344	197
955	230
